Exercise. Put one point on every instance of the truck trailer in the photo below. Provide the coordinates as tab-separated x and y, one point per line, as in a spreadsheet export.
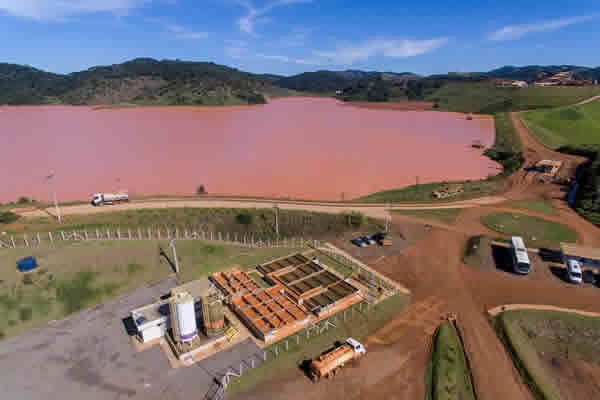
327	364
100	199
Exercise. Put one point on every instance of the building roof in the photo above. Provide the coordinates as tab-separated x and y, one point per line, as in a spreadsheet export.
198	288
591	253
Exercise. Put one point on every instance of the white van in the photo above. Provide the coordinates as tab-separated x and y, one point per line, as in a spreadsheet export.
521	264
574	272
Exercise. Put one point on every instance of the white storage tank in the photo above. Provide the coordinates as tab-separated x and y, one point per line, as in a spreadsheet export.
183	317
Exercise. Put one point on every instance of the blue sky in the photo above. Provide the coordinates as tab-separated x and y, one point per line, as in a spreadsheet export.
291	36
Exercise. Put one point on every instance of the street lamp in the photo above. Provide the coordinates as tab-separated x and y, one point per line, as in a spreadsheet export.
48	178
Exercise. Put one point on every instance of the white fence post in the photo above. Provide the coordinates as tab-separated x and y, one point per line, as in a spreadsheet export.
149	233
50	236
12	240
86	235
39	239
26	241
62	234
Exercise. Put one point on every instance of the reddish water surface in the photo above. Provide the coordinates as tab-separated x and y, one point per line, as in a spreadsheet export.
306	148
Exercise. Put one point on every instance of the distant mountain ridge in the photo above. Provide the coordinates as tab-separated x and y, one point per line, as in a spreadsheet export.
167	82
139	81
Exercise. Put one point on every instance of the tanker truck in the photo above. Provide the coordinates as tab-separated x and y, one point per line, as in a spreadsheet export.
329	363
100	199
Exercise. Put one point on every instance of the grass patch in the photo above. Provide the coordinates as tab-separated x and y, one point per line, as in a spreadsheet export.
573	126
258	280
535	231
448	376
486	98
76	275
445	215
423	192
533	205
525	356
260	222
358	327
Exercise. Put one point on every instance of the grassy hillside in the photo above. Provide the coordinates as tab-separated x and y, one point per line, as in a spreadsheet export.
484	97
571	126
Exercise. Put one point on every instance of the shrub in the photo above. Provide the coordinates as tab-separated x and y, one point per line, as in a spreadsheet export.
7	217
25	314
201	190
23	200
245	218
354	219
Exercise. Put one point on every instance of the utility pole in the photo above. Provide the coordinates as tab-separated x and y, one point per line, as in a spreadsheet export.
276	207
388	218
49	178
172	245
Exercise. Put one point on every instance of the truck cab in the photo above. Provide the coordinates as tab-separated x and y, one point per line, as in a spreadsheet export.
97	199
359	349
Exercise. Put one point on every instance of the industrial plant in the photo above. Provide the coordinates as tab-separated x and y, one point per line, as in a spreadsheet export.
266	304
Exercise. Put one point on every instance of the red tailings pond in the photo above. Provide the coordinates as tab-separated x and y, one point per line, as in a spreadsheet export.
305	148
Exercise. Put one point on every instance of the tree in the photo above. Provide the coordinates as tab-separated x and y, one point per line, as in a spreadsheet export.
245	218
8	217
201	190
23	200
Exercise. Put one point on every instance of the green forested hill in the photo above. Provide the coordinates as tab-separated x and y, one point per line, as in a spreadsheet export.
140	81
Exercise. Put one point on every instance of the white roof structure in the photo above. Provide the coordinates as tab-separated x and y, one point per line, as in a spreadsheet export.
520	250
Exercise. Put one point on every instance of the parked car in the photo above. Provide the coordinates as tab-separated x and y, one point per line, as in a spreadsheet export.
590	277
358	241
574	272
368	240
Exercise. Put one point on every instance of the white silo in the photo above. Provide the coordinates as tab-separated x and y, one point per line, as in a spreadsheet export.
183	318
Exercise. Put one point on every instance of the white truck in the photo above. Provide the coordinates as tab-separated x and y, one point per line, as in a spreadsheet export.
100	199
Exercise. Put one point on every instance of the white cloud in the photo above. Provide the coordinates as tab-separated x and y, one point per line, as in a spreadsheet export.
256	14
286	59
181	32
58	9
403	48
510	32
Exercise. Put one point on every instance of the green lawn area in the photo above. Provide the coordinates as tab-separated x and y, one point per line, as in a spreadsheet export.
359	326
485	98
534	205
531	334
570	126
448	376
76	275
536	232
445	215
423	192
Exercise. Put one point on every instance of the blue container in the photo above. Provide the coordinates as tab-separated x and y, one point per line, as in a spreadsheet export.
27	264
